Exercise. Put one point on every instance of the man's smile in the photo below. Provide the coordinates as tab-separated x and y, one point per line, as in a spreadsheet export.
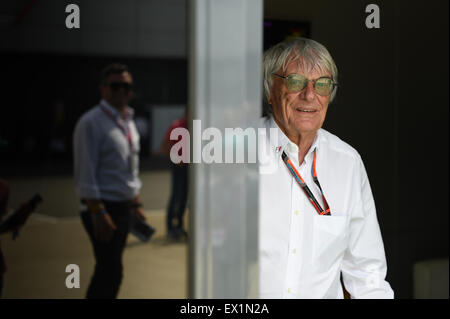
305	110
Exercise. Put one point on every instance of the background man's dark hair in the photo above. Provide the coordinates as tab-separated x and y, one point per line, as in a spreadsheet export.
115	68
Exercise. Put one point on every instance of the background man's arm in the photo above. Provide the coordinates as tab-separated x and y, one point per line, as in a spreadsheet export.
86	158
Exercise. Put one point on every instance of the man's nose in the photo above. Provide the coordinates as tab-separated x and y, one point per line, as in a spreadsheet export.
308	92
122	91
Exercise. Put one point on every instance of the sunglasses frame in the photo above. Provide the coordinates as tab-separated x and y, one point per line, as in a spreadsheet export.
333	83
121	85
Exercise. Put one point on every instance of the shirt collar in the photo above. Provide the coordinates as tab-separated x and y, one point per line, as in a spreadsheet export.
129	112
285	143
282	139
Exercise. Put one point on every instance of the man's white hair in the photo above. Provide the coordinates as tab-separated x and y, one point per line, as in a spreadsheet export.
309	53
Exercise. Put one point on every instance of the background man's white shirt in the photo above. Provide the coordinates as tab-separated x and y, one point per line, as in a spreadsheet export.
105	167
302	253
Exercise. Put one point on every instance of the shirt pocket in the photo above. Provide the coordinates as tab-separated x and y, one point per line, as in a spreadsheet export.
329	240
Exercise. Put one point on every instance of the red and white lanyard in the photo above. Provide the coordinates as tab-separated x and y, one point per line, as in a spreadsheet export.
124	128
305	187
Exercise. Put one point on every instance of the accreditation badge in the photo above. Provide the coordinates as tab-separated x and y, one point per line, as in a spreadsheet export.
134	162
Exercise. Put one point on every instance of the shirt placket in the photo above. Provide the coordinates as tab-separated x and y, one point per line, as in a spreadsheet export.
294	258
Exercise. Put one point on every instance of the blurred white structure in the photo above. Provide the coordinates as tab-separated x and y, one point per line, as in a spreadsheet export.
225	56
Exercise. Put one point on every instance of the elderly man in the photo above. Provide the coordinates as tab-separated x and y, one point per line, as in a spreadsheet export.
106	149
317	213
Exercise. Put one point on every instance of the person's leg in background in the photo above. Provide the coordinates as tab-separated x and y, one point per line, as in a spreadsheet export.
177	203
182	176
108	273
1	275
173	202
4	198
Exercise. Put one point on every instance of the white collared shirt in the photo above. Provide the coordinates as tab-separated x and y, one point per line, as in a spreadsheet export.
301	253
105	167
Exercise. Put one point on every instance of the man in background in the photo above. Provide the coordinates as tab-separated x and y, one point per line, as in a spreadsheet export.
179	185
106	155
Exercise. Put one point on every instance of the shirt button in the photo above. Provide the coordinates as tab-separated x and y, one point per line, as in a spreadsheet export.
289	290
292	148
294	251
297	212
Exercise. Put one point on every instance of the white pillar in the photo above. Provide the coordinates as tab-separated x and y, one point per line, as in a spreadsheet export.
225	58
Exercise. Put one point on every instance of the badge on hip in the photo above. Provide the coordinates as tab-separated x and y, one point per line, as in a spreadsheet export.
134	162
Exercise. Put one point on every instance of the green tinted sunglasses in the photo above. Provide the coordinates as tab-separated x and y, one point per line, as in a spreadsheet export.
297	82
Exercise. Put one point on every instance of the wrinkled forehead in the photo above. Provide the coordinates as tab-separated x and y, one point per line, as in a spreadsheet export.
307	67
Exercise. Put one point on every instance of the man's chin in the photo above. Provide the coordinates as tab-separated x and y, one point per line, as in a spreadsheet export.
306	128
119	104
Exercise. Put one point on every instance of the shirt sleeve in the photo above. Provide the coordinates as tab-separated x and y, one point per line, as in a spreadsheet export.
86	150
364	265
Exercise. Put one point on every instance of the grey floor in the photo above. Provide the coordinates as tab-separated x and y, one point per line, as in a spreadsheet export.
54	238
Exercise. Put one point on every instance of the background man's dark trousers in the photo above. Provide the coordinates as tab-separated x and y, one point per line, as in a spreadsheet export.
108	273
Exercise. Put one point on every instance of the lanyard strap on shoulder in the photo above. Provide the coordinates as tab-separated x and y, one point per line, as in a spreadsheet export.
125	129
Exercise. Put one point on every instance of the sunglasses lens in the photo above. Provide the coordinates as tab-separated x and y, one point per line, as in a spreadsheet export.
323	86
295	82
116	86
